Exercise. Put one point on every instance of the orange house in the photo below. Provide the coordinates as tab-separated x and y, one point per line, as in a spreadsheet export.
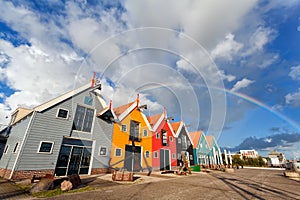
132	138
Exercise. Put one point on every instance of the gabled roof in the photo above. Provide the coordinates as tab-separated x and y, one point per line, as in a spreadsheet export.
67	95
19	114
195	136
154	119
210	139
177	126
121	109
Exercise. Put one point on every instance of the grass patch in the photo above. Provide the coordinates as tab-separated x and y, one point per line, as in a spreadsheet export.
58	191
26	188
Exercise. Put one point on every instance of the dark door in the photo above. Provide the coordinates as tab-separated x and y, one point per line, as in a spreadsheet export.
164	159
132	158
75	160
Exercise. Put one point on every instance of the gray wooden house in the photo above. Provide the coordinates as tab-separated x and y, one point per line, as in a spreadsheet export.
70	134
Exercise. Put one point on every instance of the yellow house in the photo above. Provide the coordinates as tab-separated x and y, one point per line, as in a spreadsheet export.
132	138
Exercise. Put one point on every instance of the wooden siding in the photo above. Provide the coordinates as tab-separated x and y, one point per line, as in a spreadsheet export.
180	147
16	135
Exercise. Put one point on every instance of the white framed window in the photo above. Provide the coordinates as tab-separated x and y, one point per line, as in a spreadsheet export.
179	140
155	154
147	154
200	145
103	151
46	147
157	136
83	119
173	156
171	139
62	113
118	152
16	147
145	133
191	157
123	128
6	149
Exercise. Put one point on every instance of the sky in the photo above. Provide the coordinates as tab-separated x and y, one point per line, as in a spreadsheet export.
230	68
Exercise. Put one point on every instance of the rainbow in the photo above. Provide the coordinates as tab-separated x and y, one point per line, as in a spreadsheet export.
236	94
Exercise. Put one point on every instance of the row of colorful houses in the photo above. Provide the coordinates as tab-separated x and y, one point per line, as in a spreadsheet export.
79	133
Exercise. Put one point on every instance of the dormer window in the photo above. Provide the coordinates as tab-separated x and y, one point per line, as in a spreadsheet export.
62	113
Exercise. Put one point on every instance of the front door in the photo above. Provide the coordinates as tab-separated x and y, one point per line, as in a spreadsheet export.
75	160
132	158
164	159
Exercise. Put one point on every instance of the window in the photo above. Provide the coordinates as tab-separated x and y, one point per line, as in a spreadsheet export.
171	139
189	143
147	154
200	145
83	119
103	151
88	100
124	128
45	147
191	157
134	131
179	156
179	140
16	147
155	154
164	137
157	135
62	113
145	133
6	148
173	155
184	142
118	152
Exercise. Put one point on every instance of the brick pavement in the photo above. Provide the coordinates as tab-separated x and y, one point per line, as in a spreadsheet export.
9	190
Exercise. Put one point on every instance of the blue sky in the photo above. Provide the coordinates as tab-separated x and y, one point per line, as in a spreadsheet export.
231	68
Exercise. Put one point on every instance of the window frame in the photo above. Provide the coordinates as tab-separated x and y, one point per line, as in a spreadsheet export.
125	127
147	152
173	156
171	139
155	154
6	149
16	148
179	140
40	145
83	120
145	131
157	136
116	152
106	154
68	112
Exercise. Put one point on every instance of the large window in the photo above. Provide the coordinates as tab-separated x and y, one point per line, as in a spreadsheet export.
45	147
164	137
83	119
134	131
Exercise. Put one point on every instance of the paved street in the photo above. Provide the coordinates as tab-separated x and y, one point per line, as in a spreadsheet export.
242	184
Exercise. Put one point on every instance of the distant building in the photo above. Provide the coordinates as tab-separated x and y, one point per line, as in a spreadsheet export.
277	159
248	153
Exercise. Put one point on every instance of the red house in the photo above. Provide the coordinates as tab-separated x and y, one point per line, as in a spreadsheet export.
163	143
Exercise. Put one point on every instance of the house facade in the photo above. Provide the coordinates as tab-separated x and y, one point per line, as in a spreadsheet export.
61	137
132	138
184	142
201	148
215	156
163	143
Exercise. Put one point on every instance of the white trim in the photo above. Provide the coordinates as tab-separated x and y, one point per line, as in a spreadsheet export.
144	133
127	111
146	154
106	153
38	151
159	121
170	127
22	143
92	157
146	121
62	117
61	98
155	152
120	152
171	138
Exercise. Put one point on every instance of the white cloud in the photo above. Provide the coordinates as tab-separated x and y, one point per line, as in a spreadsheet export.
293	99
241	84
295	73
227	48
